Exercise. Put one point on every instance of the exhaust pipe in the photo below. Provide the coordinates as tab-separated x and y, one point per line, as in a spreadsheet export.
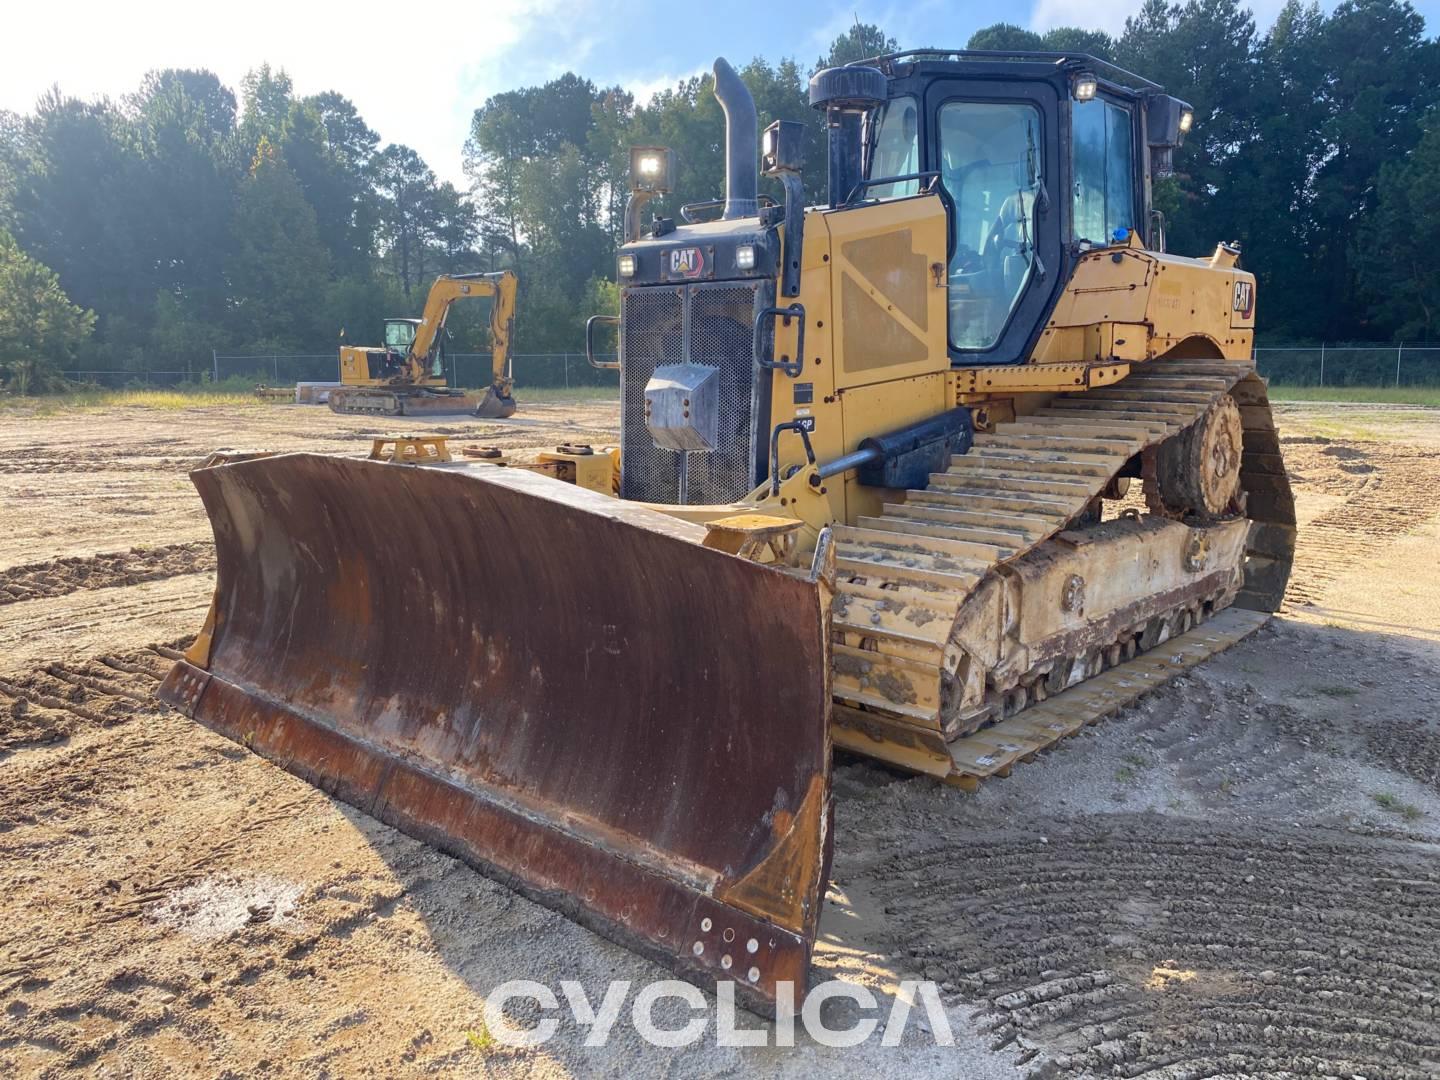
742	143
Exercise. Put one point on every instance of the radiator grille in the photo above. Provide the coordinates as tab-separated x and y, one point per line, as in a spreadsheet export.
717	320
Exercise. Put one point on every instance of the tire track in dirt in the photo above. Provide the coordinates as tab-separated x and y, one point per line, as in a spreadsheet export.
90	622
55	700
57	577
1135	946
1389	490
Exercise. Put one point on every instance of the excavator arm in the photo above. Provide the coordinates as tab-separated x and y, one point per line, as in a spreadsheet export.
451	287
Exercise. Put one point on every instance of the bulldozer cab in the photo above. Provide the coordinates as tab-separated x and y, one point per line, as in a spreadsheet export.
1039	159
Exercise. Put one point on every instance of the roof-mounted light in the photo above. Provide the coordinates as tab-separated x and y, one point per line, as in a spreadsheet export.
652	169
1084	86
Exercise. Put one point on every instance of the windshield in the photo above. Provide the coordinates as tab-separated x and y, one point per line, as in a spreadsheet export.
399	335
896	149
990	164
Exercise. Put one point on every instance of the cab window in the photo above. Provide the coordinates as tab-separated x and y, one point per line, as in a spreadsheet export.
399	335
896	149
990	165
1104	153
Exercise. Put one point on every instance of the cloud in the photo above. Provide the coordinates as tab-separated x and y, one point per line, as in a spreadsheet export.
412	79
1085	14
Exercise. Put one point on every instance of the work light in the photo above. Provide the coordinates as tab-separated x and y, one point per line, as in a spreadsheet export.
745	257
652	169
626	265
1084	86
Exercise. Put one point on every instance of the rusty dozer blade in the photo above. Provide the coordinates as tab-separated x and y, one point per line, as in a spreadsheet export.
566	691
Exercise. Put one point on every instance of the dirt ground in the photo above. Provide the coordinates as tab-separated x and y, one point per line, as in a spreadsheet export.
1240	876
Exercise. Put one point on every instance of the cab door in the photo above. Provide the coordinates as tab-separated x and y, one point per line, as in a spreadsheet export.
996	146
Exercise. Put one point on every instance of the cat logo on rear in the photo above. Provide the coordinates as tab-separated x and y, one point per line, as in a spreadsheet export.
687	262
1244	304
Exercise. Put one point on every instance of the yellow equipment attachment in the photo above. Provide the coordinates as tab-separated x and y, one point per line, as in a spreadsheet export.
406	376
940	471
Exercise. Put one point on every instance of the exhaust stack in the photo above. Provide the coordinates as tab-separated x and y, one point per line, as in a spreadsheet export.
742	143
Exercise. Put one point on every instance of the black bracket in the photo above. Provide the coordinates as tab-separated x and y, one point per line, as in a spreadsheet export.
804	427
789	367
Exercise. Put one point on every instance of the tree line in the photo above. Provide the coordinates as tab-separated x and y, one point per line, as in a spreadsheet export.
181	218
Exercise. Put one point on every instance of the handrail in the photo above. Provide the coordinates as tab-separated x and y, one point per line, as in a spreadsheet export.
599	365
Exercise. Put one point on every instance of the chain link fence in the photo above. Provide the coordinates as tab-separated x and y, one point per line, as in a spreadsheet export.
1350	365
1337	365
551	370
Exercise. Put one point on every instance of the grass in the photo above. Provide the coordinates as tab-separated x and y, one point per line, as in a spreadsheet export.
1337	691
228	393
1384	395
1389	801
481	1040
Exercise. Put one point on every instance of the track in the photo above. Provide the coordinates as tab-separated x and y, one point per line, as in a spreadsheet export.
904	578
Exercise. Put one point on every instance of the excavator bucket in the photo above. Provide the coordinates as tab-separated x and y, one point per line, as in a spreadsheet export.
495	404
564	690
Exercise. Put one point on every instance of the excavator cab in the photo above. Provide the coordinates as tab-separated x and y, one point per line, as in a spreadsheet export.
400	334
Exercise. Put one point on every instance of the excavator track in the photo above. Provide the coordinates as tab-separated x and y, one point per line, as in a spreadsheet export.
910	579
372	401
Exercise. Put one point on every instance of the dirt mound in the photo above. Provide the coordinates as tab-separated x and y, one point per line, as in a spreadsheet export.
1134	944
56	577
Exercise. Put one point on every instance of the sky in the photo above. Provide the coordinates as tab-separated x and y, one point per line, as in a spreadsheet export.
418	74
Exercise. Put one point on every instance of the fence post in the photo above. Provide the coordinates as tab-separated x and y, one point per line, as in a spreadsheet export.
1322	363
1400	349
567	371
215	364
275	367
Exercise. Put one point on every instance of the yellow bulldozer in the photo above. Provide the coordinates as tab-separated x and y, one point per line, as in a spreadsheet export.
406	375
938	472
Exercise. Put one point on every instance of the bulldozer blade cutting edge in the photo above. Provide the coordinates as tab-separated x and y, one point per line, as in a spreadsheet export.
565	691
